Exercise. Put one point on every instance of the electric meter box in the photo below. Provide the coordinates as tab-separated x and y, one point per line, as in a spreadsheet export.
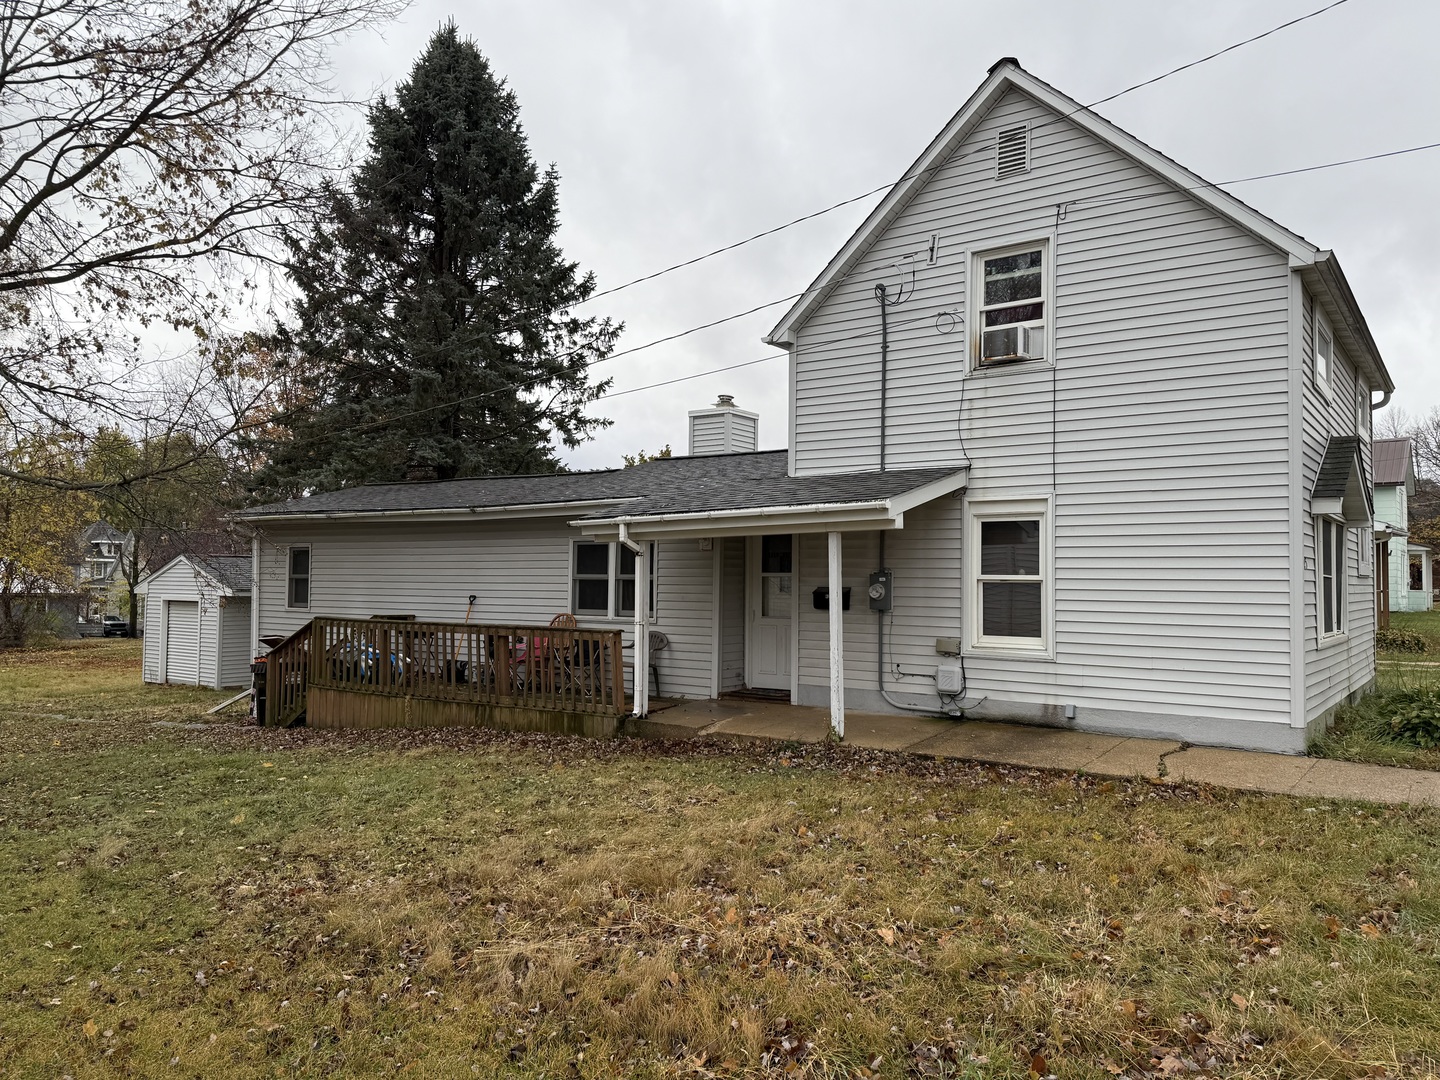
880	590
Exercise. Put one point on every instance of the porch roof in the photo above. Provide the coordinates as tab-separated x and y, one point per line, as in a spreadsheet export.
781	503
755	489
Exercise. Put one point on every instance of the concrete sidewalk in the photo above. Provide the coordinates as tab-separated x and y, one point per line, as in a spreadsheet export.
1048	748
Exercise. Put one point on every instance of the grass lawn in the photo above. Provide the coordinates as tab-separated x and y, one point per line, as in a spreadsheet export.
1361	733
223	901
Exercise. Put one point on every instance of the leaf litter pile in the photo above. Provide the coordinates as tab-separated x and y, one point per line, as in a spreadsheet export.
222	900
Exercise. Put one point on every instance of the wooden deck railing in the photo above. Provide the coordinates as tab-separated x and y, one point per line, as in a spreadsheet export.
287	678
572	671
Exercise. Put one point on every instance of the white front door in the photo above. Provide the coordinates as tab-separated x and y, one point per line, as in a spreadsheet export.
771	573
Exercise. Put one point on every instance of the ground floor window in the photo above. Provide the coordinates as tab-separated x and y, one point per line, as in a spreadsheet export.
1009	575
1331	567
1417	571
603	579
297	590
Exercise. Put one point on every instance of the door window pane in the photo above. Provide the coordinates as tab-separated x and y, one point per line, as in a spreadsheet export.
775	554
775	595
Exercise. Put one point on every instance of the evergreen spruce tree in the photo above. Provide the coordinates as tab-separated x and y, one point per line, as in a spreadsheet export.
433	324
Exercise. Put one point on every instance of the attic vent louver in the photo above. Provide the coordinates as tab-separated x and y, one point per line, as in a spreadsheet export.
1012	151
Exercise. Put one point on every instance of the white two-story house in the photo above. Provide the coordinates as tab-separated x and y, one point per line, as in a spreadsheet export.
1076	438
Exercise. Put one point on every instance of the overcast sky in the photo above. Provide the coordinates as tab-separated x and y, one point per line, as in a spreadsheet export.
681	127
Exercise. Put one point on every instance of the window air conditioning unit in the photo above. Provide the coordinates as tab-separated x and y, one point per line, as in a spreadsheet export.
1007	344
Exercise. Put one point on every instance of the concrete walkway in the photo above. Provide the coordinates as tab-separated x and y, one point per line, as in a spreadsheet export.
1048	748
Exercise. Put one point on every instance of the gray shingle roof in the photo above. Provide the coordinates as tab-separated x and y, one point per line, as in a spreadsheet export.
662	486
723	492
233	571
1392	461
1334	476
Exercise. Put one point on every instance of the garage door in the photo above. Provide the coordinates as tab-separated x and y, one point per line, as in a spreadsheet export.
182	641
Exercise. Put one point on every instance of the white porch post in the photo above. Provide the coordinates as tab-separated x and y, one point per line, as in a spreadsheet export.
642	629
640	680
837	644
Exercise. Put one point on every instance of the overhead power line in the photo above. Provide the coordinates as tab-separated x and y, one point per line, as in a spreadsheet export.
540	380
907	176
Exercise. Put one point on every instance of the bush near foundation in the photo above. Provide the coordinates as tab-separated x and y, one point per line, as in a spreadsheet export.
1392	640
1413	716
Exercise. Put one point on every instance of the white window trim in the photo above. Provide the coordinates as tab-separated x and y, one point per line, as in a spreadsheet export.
1006	509
1325	382
309	576
612	584
1341	631
976	297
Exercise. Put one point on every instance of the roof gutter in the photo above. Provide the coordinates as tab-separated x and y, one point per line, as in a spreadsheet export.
758	511
1327	269
455	513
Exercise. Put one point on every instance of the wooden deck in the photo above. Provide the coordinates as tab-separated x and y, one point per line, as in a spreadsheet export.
398	673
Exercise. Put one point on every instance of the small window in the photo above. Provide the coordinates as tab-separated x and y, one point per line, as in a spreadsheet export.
1362	408
1010	304
1417	571
1012	151
1008	557
297	588
604	580
1324	352
1331	566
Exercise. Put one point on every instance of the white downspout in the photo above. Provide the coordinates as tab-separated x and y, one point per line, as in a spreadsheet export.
640	690
837	644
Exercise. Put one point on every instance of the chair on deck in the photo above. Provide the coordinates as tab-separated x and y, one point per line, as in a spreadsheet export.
658	643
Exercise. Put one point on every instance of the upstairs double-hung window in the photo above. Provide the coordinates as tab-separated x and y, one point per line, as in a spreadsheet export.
1011	303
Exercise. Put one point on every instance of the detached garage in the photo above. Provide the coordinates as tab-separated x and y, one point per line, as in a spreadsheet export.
197	621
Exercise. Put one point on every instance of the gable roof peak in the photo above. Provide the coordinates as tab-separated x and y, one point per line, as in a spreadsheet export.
1002	62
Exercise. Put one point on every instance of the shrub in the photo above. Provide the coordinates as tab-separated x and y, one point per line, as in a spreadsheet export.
1390	640
1413	716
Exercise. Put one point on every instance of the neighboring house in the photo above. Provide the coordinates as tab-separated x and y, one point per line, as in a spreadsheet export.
1096	455
199	624
98	566
1408	585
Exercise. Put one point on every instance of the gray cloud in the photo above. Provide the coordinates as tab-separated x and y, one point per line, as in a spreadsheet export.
681	127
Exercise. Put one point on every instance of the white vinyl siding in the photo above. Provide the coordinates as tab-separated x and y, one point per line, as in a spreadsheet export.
235	642
732	613
1337	666
1161	427
520	573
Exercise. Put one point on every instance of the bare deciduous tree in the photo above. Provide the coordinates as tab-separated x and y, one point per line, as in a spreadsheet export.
149	156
